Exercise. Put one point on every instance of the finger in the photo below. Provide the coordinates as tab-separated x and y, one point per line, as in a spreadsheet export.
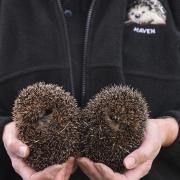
139	172
12	144
105	171
61	174
120	176
148	150
22	168
29	174
70	165
88	167
138	157
16	147
108	173
47	174
66	172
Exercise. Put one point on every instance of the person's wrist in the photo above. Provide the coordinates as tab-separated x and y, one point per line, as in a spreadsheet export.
168	128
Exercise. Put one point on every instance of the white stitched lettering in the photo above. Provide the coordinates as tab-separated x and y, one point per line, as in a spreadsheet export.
144	30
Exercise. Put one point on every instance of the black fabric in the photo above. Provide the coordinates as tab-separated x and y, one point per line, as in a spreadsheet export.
33	48
79	10
156	73
175	6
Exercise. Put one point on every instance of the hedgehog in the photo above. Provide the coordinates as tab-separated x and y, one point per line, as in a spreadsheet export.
114	123
47	121
147	12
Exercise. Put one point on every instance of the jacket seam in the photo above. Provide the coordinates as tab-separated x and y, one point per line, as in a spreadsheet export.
106	66
153	75
29	70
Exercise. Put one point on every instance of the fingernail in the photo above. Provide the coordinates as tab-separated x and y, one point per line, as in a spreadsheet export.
82	162
22	151
130	162
71	159
79	160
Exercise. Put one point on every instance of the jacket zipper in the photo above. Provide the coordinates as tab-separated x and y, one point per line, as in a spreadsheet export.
85	52
59	3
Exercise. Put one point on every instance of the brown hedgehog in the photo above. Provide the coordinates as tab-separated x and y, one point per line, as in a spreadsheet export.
47	120
114	123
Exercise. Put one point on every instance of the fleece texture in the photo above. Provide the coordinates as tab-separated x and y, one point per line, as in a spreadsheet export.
87	45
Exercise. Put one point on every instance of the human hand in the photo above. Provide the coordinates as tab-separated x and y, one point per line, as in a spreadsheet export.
158	133
17	151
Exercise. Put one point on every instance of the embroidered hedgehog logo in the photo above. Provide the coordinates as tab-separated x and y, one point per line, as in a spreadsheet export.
147	12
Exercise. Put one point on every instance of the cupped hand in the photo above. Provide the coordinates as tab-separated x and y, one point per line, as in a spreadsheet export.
17	151
139	162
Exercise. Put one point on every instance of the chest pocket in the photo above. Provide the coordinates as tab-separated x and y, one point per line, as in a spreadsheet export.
151	41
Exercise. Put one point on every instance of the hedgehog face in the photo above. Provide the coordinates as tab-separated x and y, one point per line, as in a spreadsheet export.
148	12
46	117
137	13
116	123
113	118
121	110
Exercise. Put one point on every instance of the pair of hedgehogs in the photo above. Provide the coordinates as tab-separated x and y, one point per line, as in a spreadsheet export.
50	122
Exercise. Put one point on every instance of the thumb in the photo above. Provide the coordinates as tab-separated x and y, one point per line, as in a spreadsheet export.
11	142
16	147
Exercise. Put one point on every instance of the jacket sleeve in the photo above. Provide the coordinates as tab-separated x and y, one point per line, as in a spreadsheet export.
172	152
175	10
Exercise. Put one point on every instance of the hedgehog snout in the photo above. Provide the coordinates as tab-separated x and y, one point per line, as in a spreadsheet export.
113	122
137	16
45	116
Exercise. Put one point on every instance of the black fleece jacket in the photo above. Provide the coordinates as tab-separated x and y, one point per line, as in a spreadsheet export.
84	46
